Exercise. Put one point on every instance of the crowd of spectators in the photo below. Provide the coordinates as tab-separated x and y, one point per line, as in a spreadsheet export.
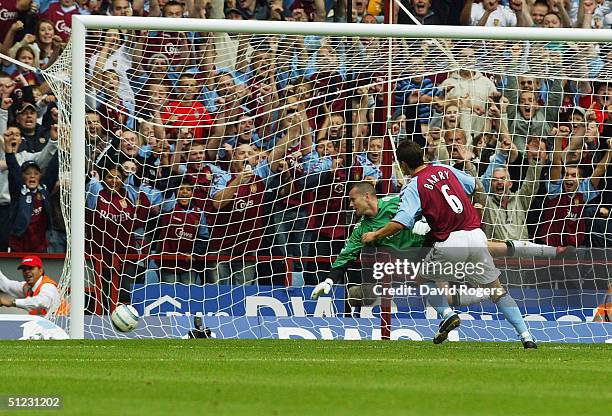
209	147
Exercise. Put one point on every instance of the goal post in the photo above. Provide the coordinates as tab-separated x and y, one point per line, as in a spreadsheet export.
394	72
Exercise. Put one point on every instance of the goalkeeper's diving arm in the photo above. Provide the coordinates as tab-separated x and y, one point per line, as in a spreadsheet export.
335	275
347	256
353	247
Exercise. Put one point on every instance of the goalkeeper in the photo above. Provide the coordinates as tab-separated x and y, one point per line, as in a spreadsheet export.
374	213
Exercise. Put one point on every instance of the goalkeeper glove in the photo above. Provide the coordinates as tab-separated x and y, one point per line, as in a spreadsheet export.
421	227
322	288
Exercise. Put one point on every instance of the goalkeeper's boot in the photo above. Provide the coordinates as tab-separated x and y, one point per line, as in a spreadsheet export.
530	345
446	326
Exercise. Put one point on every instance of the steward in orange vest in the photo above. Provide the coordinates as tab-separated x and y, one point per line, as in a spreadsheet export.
36	295
35	291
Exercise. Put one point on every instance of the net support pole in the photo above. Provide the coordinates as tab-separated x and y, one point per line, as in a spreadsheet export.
385	309
348	113
348	121
385	305
77	172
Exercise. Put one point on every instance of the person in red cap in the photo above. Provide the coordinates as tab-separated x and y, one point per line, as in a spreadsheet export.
37	294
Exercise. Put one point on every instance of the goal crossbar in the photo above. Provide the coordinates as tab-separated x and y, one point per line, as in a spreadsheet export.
341	29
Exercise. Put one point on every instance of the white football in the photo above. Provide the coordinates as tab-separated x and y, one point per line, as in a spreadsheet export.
125	318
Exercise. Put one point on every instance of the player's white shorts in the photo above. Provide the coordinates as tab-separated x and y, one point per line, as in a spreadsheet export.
464	255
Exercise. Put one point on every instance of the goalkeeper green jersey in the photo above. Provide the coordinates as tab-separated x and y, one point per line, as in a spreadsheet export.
387	208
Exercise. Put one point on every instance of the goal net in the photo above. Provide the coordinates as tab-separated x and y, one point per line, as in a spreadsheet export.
225	169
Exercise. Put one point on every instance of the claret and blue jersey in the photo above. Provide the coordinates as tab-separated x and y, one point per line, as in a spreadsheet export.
440	194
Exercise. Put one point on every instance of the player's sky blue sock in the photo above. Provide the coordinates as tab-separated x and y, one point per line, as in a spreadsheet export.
438	302
511	311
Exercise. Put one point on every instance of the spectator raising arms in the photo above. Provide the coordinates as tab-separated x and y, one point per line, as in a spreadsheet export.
505	212
184	235
187	111
9	208
236	216
116	215
30	209
470	85
487	13
9	24
564	223
526	116
114	209
34	136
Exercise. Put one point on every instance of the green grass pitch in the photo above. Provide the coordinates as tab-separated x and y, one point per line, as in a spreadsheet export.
295	377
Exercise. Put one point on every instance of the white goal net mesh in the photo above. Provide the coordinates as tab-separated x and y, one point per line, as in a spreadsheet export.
219	168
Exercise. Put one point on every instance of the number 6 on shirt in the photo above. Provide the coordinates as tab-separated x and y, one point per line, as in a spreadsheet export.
453	200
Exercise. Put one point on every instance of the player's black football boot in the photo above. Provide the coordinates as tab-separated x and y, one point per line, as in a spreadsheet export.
530	345
446	326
